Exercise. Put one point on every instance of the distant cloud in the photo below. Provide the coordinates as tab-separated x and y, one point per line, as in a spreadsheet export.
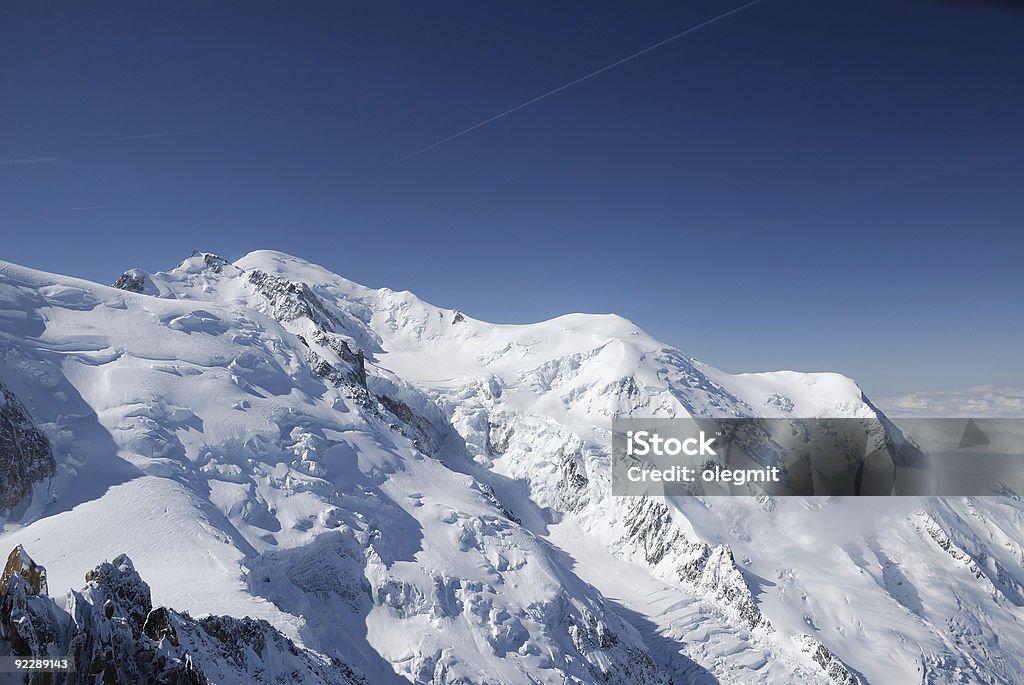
982	401
25	161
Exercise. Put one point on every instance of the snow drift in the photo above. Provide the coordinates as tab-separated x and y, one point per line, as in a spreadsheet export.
363	479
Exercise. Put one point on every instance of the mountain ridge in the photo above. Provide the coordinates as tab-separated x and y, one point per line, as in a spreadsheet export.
268	419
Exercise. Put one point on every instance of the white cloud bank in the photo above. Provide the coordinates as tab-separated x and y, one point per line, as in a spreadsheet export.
981	401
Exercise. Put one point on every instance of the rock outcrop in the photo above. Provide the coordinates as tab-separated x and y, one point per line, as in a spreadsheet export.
114	635
710	569
25	453
837	671
289	301
133	281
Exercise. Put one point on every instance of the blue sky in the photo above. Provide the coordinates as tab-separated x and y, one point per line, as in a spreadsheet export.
808	185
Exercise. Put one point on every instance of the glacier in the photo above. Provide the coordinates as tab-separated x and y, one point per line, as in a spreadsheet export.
379	490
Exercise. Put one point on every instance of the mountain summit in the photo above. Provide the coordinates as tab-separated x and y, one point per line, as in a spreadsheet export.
373	485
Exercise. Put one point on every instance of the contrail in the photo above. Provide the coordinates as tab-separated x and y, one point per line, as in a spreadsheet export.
23	161
581	79
79	208
149	136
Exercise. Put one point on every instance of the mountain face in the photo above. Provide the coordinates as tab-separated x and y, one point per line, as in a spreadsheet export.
406	494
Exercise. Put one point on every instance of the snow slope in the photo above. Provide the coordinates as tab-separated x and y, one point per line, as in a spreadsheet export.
425	496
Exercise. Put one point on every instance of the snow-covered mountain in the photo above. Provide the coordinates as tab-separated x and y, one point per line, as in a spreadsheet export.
395	492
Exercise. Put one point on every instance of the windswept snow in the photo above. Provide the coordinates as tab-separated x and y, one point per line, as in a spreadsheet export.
426	496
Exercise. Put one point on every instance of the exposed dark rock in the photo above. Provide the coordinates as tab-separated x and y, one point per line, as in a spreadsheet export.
158	626
106	621
246	642
398	408
714	570
27	623
710	569
574	480
628	387
498	437
133	280
836	670
355	358
290	301
19	563
493	498
650	527
121	585
419	428
590	632
237	635
115	636
353	381
214	263
426	429
25	453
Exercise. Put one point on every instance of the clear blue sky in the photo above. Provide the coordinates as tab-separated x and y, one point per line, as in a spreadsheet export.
808	185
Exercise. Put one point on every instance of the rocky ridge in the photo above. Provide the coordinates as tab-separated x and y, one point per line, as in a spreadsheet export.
115	636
